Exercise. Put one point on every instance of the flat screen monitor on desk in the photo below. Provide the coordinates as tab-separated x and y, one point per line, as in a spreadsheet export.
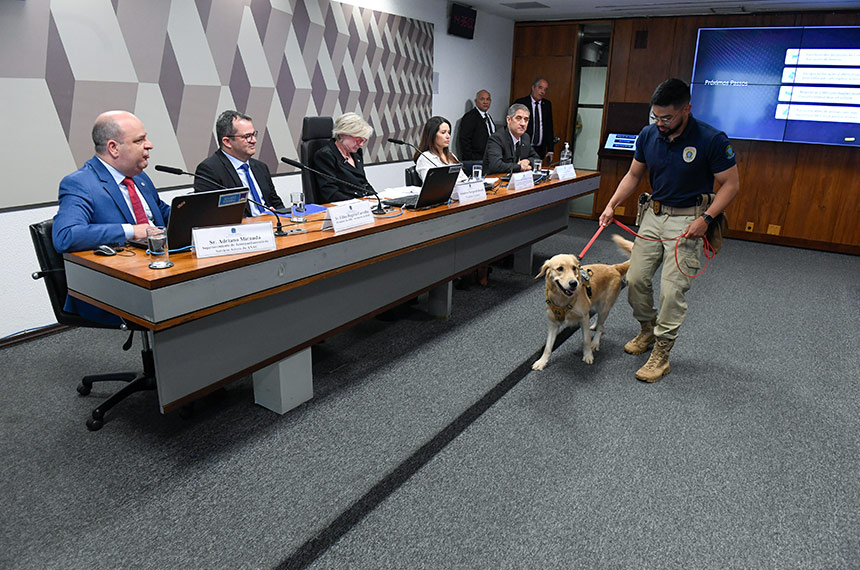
200	210
617	141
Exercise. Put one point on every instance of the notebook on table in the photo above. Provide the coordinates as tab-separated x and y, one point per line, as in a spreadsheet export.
436	189
200	210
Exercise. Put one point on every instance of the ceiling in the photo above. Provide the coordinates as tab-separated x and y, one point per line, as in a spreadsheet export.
523	10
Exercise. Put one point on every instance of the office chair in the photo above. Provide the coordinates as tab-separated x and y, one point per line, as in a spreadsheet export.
54	273
316	132
412	178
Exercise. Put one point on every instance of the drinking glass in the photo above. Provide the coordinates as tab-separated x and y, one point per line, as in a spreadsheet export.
297	212
537	166
477	172
156	237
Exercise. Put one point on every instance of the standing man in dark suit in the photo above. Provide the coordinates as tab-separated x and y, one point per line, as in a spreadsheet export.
232	166
476	126
510	150
109	200
540	127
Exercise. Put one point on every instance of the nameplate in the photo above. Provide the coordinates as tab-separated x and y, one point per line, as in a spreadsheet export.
355	213
229	240
521	181
466	192
563	172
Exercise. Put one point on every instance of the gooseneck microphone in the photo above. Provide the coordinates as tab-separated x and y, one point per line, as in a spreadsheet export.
279	230
379	210
398	141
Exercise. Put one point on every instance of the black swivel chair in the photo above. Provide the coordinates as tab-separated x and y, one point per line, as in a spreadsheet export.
316	132
411	176
54	273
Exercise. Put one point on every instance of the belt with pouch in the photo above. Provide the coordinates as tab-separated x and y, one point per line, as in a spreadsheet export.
693	210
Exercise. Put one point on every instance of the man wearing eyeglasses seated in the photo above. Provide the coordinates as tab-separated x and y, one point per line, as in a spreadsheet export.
343	160
683	157
231	165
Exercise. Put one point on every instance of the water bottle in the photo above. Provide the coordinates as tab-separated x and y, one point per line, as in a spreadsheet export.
565	157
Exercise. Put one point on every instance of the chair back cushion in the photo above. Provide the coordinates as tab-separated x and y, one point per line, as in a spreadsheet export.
53	270
411	176
316	132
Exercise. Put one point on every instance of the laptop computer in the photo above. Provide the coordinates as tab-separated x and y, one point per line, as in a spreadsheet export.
437	188
200	210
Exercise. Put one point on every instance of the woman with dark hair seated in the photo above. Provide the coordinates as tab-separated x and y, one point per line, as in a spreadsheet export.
343	159
435	139
435	152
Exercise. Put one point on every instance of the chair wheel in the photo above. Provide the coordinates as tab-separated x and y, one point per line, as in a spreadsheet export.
94	425
83	389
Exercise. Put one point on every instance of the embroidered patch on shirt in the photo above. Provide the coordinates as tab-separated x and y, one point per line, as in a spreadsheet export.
730	152
690	154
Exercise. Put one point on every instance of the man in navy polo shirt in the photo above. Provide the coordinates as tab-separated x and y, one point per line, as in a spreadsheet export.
683	157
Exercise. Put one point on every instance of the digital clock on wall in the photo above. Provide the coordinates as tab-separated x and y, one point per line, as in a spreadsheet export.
462	21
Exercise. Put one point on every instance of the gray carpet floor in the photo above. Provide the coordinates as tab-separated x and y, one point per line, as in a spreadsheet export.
431	444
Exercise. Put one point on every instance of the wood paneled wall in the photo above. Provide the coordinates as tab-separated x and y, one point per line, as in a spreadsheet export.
811	192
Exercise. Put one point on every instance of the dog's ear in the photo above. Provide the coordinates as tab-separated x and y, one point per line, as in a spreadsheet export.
543	269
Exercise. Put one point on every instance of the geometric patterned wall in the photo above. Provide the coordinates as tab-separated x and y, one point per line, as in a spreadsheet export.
178	63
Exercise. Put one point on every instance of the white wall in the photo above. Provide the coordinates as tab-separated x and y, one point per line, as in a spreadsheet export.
463	67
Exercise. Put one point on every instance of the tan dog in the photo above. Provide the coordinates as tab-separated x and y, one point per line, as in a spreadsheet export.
572	291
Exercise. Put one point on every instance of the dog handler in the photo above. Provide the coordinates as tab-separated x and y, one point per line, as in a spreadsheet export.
683	157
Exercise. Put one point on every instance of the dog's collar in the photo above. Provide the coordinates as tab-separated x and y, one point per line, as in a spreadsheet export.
559	312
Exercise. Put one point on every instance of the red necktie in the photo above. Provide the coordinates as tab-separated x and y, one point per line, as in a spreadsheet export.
136	205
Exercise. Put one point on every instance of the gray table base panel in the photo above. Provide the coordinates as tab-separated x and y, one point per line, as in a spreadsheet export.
285	384
199	353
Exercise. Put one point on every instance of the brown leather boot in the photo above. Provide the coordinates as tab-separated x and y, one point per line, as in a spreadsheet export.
658	364
643	340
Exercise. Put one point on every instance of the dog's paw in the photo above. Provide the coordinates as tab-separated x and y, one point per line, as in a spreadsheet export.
595	345
594	326
539	364
588	358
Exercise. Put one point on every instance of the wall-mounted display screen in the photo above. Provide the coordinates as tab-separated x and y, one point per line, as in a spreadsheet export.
799	84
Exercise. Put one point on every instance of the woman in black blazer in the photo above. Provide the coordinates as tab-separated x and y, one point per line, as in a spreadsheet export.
342	158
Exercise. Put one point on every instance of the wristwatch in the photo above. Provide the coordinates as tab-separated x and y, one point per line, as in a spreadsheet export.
708	218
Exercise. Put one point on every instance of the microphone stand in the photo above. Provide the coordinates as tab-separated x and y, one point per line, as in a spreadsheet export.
405	143
279	230
378	211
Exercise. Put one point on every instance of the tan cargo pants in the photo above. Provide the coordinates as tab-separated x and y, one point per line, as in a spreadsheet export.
647	257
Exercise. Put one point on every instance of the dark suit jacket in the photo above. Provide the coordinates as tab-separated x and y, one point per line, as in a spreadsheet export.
499	156
92	211
546	114
472	136
219	168
329	160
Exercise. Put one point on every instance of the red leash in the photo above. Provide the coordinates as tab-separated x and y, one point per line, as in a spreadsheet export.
709	252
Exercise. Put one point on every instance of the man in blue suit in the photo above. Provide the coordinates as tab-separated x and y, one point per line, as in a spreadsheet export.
109	200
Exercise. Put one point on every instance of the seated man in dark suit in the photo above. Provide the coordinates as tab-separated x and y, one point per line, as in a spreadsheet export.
510	150
475	128
110	199
540	127
231	165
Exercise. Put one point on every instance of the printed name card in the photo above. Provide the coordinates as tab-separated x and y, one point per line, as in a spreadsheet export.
227	240
350	215
563	172
521	181
472	191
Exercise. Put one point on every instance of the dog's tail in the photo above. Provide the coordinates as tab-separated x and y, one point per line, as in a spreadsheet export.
626	246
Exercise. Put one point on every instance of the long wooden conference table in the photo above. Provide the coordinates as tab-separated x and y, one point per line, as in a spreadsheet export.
215	320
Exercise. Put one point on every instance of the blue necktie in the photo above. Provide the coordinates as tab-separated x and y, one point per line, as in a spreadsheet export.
254	193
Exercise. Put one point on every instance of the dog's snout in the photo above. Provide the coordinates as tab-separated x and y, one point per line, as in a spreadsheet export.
572	284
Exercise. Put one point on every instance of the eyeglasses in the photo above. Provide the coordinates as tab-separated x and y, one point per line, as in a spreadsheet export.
358	140
665	120
247	136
